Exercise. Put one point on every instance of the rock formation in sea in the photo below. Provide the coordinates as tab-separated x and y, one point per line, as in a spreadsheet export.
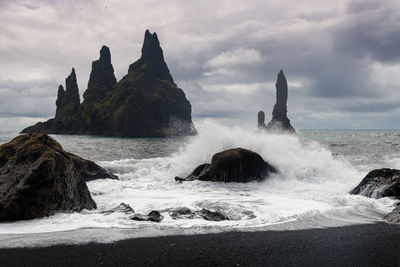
280	122
381	183
38	178
233	165
144	103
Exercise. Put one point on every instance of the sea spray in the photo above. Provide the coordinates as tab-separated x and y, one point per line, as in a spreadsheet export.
310	190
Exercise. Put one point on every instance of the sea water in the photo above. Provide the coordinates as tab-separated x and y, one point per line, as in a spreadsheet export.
317	169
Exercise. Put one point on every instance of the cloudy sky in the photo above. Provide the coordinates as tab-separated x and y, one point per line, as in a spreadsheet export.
341	58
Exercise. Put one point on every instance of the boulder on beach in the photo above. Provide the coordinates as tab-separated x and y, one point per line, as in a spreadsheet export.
379	183
233	165
38	178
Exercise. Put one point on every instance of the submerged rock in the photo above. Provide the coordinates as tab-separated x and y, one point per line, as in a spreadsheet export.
182	213
280	122
233	165
123	207
379	183
186	213
38	178
212	215
144	103
153	216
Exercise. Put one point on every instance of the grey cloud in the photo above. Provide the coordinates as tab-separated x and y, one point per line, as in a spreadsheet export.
327	50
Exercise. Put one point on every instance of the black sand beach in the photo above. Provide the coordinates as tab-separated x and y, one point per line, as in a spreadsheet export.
361	245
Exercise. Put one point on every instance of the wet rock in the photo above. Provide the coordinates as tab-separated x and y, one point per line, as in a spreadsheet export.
123	207
186	213
38	178
212	215
182	213
153	216
233	165
379	183
90	170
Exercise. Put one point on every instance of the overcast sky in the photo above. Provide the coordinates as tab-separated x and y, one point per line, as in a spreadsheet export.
341	58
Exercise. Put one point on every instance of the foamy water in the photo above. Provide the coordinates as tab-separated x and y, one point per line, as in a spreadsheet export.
310	190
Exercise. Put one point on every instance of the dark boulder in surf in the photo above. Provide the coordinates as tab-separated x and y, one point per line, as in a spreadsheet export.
233	165
379	183
153	216
38	178
186	213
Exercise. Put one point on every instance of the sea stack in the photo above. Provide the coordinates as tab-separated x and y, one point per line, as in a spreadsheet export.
144	103
280	122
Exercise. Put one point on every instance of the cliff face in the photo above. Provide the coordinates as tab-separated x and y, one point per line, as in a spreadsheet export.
280	122
145	103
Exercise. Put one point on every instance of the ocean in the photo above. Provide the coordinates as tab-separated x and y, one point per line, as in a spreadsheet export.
317	169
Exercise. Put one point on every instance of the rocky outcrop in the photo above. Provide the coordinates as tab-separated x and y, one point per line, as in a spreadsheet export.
144	103
233	165
280	122
38	178
379	183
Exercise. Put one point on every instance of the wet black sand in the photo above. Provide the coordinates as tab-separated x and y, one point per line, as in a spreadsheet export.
361	245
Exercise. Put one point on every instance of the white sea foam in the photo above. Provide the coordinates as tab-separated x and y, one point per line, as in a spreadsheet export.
311	184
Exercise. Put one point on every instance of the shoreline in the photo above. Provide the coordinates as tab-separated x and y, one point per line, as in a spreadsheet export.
357	245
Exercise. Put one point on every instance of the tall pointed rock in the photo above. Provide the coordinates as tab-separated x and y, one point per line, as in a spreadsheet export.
102	78
152	60
68	101
280	122
60	99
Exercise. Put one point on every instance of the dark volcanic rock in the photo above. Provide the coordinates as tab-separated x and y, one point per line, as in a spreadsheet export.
380	183
182	213
153	216
280	122
233	165
144	103
90	170
212	215
38	178
186	213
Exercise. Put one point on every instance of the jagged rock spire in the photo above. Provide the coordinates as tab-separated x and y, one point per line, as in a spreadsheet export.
102	78
68	100
60	98
280	122
71	89
152	60
280	108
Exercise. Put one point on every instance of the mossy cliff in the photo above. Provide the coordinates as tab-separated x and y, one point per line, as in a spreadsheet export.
144	103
